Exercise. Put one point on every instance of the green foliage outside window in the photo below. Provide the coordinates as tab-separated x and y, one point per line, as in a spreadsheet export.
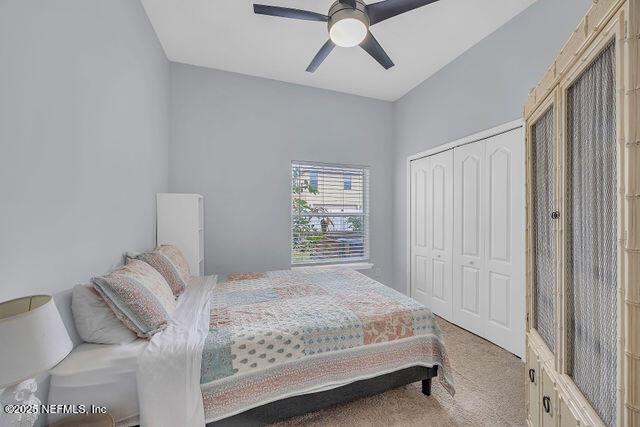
306	235
355	223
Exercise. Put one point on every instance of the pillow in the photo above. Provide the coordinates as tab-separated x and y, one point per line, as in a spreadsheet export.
95	321
169	262
139	296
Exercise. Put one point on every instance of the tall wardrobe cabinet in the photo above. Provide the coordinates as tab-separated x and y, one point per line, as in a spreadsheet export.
583	226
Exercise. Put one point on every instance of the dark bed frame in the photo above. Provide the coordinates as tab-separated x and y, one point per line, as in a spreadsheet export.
300	405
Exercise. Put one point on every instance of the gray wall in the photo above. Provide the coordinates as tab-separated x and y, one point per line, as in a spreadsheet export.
84	138
484	87
233	138
84	135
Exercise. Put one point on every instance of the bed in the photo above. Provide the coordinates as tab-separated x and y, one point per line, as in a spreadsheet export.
101	375
259	347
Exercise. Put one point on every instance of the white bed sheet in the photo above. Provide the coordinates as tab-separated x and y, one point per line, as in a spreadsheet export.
172	362
101	375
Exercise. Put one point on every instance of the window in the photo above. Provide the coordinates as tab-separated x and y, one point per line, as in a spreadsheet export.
330	213
347	182
313	181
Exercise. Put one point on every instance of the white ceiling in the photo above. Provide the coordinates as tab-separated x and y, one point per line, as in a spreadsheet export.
227	35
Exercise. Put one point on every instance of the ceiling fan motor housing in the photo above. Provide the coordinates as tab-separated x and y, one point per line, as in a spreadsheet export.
348	24
340	11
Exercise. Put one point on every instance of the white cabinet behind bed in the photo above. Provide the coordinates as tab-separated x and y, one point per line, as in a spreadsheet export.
180	222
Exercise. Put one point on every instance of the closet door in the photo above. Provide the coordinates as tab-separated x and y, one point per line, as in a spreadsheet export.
432	232
503	224
420	252
469	290
440	232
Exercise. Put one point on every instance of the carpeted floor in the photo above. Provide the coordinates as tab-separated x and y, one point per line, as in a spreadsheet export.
490	391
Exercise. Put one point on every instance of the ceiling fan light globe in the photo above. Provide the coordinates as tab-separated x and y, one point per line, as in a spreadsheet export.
348	32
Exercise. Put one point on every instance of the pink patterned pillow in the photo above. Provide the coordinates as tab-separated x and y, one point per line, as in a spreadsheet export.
139	296
169	261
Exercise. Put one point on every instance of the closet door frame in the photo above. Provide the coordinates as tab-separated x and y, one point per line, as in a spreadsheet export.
613	31
506	127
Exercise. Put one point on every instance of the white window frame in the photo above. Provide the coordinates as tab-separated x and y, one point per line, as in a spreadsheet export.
359	263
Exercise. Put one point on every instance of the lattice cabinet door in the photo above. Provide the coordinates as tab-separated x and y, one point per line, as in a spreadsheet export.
542	225
591	230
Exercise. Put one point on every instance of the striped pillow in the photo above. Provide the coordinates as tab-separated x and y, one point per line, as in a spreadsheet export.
139	296
169	261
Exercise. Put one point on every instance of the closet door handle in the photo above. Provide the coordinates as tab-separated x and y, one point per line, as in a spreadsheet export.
555	214
532	375
546	404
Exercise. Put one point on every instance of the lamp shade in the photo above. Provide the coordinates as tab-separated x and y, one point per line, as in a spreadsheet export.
33	338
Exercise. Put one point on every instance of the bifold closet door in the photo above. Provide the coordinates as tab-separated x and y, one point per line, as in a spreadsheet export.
469	290
432	232
488	265
504	216
419	249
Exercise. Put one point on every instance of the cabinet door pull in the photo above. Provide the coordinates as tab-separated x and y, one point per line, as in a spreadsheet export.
546	404
532	375
555	214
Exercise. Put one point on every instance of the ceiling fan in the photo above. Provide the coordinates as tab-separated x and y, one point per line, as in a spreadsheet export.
348	22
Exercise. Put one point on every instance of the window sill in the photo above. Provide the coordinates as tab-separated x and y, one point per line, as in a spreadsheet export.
354	265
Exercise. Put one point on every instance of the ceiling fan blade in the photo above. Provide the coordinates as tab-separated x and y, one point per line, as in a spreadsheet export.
322	54
351	3
285	12
383	10
373	48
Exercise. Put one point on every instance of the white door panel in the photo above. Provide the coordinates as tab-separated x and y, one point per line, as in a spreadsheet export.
438	205
470	292
504	225
420	258
500	181
470	192
438	278
440	232
499	303
431	232
468	254
421	274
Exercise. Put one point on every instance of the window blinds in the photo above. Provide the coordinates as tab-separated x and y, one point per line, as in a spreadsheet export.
329	213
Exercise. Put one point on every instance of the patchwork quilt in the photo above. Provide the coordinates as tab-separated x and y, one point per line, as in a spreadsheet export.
282	333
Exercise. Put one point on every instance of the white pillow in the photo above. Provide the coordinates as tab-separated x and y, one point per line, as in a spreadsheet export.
95	321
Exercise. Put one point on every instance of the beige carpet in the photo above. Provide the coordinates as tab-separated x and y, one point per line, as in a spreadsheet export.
489	384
